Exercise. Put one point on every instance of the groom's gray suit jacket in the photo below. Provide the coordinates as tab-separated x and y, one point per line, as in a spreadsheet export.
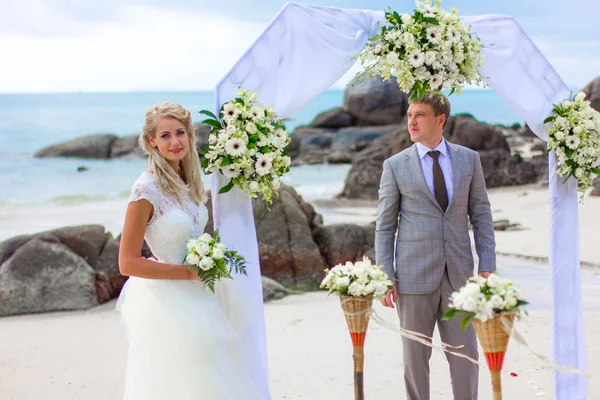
415	240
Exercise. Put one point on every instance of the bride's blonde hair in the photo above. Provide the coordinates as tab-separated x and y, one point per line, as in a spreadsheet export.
189	167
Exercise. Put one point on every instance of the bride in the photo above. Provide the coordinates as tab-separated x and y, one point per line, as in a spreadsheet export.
181	345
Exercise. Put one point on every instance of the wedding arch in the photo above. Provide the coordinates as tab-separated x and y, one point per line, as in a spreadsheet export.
303	51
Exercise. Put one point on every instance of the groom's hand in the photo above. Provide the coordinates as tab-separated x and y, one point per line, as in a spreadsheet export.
390	298
485	275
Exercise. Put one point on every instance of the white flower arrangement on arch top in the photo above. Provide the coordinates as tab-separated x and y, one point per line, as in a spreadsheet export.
427	50
483	299
247	145
357	279
575	137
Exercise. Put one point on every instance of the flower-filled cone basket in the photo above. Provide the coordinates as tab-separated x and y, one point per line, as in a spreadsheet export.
357	284
357	310
494	341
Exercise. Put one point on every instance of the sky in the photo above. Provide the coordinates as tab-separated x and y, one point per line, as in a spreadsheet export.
171	45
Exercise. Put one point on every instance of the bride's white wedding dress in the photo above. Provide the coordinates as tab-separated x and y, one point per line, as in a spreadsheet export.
181	345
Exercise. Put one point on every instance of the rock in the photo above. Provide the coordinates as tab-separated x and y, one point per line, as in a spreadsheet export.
304	132
506	225
43	276
126	146
339	243
294	147
65	269
540	146
201	131
336	118
596	190
94	146
503	169
363	178
321	141
354	139
310	154
592	93
375	102
287	250
526	132
273	290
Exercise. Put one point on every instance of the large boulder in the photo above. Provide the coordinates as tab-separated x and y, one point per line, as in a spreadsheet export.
287	250
592	93
500	168
344	242
363	178
376	102
94	146
335	118
125	146
596	190
66	269
273	290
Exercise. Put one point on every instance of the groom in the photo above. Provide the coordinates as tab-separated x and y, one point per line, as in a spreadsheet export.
427	195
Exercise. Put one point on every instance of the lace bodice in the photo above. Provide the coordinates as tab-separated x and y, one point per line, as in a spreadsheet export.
172	223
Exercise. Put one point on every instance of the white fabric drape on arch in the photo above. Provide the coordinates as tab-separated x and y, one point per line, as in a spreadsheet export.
303	51
300	54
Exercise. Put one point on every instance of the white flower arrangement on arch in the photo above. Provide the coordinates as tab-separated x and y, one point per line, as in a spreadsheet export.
575	137
247	145
427	50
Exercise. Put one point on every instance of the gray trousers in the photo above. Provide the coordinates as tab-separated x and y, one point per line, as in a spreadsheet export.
420	313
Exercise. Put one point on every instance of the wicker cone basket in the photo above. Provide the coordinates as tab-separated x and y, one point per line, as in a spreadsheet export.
357	311
494	340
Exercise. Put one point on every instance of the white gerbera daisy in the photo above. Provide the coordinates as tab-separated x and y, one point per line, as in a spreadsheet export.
235	147
436	81
230	112
416	58
257	112
263	165
262	141
434	34
453	34
231	171
573	142
280	134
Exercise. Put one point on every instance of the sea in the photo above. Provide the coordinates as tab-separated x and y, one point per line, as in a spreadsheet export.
39	194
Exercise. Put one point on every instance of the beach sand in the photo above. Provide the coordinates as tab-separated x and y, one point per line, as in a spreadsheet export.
82	355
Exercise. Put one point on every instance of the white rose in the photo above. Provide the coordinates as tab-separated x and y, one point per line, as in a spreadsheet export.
202	248
342	281
192	259
493	280
206	263
251	128
469	305
472	289
407	19
276	184
217	254
577	130
254	186
580	96
496	301
206	238
221	247
231	129
392	58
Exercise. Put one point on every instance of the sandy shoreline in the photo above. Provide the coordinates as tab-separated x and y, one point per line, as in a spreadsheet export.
81	355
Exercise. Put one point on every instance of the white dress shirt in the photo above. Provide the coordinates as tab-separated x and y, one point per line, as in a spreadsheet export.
427	166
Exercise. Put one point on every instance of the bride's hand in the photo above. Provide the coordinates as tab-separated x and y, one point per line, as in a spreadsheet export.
192	275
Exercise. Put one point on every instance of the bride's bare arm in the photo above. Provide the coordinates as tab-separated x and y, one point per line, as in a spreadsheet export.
131	263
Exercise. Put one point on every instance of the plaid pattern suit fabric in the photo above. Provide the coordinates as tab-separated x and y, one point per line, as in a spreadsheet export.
415	240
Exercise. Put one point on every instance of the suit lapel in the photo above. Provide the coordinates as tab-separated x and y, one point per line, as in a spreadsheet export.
416	171
457	169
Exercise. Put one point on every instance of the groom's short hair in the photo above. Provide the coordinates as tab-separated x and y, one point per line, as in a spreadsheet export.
438	103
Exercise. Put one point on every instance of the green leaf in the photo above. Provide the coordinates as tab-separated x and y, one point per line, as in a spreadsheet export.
450	314
226	161
285	153
596	171
466	321
398	18
238	100
375	38
431	20
251	145
227	187
214	123
569	152
253	138
451	91
265	150
206	112
204	164
549	119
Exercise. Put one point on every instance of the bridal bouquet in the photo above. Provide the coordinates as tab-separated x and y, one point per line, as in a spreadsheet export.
212	261
427	50
247	146
575	136
483	299
359	279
